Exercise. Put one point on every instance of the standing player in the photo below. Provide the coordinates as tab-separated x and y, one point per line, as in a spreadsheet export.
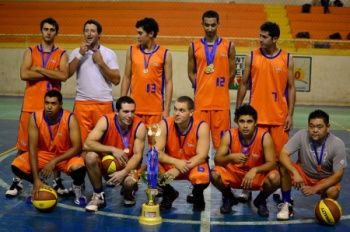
211	68
183	147
148	74
269	75
43	68
320	166
122	135
54	144
97	69
246	159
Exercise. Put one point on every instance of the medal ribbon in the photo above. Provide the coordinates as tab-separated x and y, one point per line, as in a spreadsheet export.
180	135
246	149
147	59
319	157
45	59
48	124
125	137
210	55
152	168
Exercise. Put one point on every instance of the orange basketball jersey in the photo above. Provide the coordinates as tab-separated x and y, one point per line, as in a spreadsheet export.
35	90
254	150
269	79
112	136
53	138
178	145
148	79
212	90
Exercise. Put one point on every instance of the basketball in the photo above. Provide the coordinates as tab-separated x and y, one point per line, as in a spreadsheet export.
46	200
110	164
328	211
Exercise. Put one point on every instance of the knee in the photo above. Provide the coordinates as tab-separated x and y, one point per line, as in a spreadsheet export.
274	178
129	182
91	159
215	177
333	192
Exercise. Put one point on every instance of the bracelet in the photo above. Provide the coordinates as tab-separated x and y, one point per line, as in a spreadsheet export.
79	56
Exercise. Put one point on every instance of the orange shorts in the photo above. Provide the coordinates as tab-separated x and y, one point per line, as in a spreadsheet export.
311	181
22	162
218	120
22	138
232	176
197	175
88	113
278	135
150	119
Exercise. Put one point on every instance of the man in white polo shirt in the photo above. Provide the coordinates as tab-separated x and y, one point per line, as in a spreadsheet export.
97	69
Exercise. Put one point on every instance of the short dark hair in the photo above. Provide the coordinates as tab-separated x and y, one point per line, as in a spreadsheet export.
319	114
148	25
96	23
50	21
210	14
122	100
272	28
54	93
187	100
246	110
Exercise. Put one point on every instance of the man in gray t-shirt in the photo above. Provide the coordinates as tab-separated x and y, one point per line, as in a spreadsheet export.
320	165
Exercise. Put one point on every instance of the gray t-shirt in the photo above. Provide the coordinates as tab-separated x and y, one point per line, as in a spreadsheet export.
333	159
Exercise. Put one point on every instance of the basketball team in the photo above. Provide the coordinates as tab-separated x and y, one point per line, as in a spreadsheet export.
254	156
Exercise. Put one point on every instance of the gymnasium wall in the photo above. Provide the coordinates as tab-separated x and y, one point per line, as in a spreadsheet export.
329	80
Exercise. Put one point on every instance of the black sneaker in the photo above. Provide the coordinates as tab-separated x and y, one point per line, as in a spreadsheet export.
15	188
263	211
129	197
168	199
227	203
198	205
59	187
189	198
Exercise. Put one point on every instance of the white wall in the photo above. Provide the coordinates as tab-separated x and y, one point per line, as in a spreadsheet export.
329	81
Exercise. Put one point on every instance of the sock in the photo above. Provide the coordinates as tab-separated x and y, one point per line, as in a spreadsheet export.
286	196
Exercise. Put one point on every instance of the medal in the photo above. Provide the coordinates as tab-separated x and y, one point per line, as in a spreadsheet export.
146	58
124	136
319	157
210	55
209	69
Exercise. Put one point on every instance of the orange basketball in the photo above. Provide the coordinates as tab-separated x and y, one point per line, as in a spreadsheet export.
328	211
110	164
46	200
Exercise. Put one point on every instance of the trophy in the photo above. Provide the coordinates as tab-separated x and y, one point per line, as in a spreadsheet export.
150	211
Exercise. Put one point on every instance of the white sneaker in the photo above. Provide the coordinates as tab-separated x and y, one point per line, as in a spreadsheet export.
59	187
285	212
245	196
97	202
15	188
80	199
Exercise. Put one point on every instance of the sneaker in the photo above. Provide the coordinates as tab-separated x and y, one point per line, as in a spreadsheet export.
15	188
80	199
245	196
129	197
189	198
97	202
198	205
286	211
59	187
227	203
263	211
168	199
